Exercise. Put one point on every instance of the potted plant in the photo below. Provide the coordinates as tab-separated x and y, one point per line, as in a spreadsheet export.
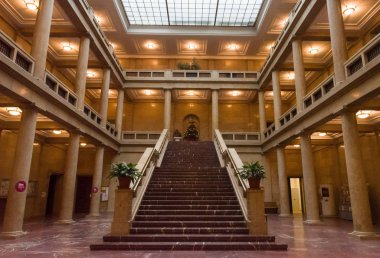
191	133
177	135
254	172
126	173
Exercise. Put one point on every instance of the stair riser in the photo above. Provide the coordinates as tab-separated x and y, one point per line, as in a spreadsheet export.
189	231
190	238
189	212
179	221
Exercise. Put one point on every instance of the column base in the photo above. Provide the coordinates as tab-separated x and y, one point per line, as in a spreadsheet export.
313	222
365	235
285	215
12	234
65	221
92	216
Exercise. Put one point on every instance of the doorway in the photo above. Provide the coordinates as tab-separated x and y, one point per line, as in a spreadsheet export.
83	194
296	195
53	196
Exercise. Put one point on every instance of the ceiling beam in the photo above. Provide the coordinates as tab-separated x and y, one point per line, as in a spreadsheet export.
41	125
73	64
309	67
56	32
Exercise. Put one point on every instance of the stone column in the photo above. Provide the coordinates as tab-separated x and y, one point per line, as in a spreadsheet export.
283	183
263	120
81	72
299	74
267	181
69	180
119	112
361	211
15	208
40	42
215	110
276	98
338	39
167	109
97	182
104	95
310	182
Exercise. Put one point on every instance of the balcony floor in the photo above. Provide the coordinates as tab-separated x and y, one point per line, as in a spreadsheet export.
330	239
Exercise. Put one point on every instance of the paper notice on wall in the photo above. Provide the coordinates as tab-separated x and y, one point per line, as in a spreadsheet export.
104	194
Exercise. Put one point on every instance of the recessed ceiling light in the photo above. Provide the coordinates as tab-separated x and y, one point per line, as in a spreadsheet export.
191	46
349	9
229	106
233	46
235	93
296	145
83	144
191	93
150	45
322	134
36	144
363	114
148	92
191	105
31	4
291	76
153	105
14	111
67	46
57	132
313	50
90	74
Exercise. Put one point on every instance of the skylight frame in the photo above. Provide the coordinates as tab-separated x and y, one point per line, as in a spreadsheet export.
206	13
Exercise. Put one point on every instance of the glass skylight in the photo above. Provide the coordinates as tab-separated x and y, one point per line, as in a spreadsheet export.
192	12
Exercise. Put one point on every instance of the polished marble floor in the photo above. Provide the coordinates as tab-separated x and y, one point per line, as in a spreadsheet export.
328	240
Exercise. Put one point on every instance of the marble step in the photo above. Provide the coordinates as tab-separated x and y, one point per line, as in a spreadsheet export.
189	224
188	238
189	207
179	190
190	246
153	185
189	212
189	202
228	198
191	220
193	230
191	193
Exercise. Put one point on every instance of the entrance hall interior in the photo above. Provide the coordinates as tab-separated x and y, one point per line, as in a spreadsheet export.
190	91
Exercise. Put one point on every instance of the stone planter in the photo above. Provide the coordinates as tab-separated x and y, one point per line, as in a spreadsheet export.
254	183
124	182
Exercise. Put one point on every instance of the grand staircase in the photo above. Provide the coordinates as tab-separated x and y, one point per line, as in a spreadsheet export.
190	204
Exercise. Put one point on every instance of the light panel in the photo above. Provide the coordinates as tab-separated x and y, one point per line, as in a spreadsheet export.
192	12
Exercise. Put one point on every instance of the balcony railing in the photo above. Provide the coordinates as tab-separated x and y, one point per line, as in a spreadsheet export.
60	89
288	116
241	137
200	74
92	114
16	54
324	88
269	131
366	55
111	129
140	136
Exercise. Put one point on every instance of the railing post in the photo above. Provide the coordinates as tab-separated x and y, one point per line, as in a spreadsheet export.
256	212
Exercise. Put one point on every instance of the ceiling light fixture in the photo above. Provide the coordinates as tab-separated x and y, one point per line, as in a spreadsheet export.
148	92
363	114
67	46
31	4
291	76
191	93
14	111
57	132
150	45
296	145
192	46
313	50
233	46
322	134
90	74
349	9
83	144
235	93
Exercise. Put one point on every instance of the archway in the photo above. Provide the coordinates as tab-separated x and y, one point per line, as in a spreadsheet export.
191	121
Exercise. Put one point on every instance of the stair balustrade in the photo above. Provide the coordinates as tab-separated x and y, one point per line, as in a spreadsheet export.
233	163
148	161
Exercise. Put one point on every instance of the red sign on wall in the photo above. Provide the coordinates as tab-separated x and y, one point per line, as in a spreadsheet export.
20	186
95	189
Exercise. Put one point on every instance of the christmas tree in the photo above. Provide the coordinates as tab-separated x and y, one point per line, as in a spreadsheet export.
191	132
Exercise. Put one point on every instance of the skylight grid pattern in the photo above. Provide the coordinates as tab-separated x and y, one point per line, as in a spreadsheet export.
146	12
238	12
193	12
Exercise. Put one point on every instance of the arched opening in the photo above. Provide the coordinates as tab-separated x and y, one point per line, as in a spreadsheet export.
191	127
